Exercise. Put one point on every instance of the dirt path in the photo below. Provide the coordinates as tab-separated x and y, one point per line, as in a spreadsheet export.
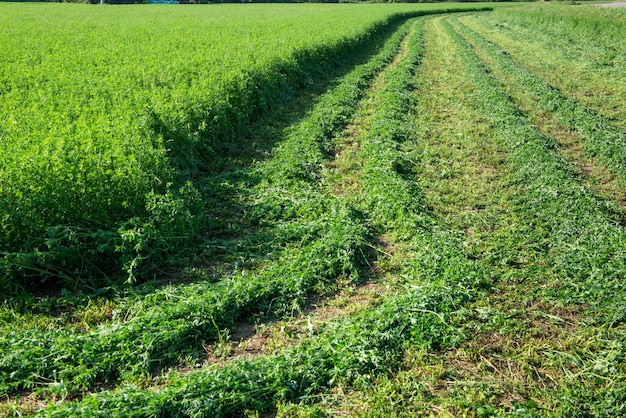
617	4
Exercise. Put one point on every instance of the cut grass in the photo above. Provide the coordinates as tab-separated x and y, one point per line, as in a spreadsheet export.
601	140
608	185
457	190
580	239
350	350
176	321
588	69
530	348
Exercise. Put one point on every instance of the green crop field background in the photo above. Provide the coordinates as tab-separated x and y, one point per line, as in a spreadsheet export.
312	210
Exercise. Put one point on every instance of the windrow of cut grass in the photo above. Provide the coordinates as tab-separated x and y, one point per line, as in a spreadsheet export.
595	89
509	302
598	31
458	167
111	117
579	230
602	140
532	348
567	64
583	243
316	239
351	350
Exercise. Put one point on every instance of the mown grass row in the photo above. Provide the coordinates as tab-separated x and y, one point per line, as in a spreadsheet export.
315	240
602	140
457	165
533	349
574	228
321	239
584	25
349	350
572	65
529	353
578	228
580	52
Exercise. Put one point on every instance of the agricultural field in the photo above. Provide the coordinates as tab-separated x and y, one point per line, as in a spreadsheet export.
313	210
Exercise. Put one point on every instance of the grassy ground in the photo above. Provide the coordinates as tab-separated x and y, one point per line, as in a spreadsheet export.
578	63
438	241
529	350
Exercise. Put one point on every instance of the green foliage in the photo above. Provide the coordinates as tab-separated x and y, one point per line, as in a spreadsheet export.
322	238
171	225
604	141
138	105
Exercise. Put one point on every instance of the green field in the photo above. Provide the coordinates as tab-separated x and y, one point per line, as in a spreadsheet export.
313	210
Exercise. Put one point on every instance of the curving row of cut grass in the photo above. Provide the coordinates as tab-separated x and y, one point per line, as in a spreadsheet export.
576	230
603	140
567	64
440	278
557	45
533	348
315	239
587	67
598	29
